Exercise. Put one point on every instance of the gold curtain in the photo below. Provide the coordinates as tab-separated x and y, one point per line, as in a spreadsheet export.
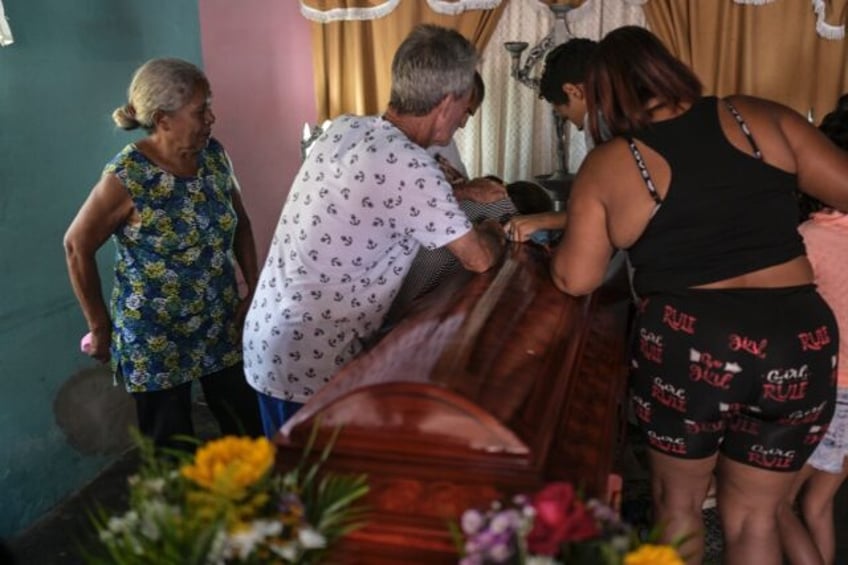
770	50
352	59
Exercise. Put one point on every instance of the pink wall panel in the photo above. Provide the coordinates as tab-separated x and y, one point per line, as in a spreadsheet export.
258	57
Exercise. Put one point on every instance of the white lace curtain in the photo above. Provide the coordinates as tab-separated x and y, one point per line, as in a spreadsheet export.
5	32
513	134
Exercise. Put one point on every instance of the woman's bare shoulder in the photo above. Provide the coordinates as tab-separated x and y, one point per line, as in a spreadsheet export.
755	106
608	154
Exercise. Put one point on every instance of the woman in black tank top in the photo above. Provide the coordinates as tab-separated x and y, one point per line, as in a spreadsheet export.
733	349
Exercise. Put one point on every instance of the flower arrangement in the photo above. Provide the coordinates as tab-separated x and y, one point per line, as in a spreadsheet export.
226	504
555	527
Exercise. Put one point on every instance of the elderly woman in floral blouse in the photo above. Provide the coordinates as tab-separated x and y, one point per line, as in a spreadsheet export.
172	205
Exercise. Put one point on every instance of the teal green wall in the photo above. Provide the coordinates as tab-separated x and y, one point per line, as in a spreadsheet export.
59	82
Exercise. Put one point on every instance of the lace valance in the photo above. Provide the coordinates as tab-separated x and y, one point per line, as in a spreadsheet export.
830	16
5	32
340	10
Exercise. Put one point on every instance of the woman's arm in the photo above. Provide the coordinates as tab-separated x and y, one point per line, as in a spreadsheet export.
521	228
580	260
107	207
789	142
244	247
822	166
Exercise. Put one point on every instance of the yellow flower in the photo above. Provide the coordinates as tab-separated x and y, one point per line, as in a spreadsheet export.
226	222
155	269
650	554
230	465
157	343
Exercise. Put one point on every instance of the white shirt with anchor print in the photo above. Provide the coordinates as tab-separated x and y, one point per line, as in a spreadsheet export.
361	205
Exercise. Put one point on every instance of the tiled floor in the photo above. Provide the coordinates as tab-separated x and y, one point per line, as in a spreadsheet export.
58	537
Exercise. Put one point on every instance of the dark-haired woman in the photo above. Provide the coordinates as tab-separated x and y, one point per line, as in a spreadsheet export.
734	349
825	233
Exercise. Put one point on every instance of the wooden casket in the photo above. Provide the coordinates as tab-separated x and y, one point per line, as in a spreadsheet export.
492	385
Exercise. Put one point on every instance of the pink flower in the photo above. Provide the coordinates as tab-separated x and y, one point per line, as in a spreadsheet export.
560	517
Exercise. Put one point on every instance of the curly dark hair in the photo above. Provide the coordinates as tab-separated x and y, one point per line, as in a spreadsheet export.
565	63
835	127
835	124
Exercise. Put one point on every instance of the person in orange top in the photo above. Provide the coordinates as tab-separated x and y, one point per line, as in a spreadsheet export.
825	233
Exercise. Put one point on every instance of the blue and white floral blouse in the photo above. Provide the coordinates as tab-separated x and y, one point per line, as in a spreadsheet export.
174	295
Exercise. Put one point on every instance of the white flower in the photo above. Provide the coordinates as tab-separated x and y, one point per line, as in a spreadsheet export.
129	336
134	301
269	528
502	521
125	523
154	512
311	538
156	485
541	560
217	548
213	331
288	551
471	521
242	543
500	552
193	323
620	543
149	528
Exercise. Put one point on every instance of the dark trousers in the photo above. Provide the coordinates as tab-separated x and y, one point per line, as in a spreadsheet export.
163	414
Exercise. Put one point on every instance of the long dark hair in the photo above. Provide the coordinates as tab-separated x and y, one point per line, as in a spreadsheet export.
630	67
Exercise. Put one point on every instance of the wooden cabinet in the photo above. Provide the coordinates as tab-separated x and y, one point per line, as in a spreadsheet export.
491	386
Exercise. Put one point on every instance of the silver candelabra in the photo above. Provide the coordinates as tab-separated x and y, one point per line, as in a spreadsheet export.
522	73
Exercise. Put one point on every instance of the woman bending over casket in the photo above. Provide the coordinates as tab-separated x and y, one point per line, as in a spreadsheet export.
734	349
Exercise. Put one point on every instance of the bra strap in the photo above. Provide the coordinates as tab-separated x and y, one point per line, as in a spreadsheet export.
643	170
744	127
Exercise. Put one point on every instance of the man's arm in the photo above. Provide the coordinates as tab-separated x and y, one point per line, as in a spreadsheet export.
481	248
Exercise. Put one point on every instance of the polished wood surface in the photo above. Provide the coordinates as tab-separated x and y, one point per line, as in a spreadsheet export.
490	386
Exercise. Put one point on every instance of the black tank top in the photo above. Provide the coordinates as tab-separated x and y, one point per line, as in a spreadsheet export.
726	213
